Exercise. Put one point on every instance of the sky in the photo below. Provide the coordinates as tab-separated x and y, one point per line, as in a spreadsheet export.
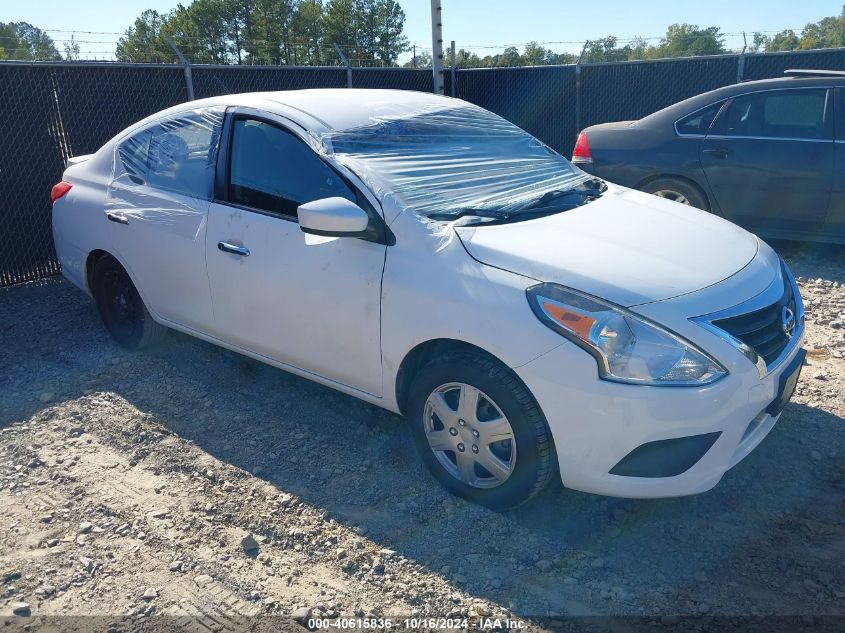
473	24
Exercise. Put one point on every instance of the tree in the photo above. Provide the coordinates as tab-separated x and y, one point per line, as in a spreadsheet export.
384	21
269	32
759	42
307	26
423	60
202	31
783	41
826	33
21	40
368	31
144	41
71	49
533	55
340	27
604	50
688	40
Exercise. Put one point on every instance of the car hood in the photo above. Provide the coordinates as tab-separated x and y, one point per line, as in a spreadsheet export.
627	247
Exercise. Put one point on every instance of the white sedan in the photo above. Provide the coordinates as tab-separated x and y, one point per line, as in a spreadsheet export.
425	255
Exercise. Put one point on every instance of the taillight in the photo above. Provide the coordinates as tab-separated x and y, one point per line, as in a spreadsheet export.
581	153
58	190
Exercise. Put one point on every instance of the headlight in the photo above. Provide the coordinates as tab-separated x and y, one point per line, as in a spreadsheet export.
627	347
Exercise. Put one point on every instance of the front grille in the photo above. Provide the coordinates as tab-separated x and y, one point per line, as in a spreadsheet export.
763	329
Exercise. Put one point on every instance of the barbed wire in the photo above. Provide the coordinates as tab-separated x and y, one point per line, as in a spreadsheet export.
202	48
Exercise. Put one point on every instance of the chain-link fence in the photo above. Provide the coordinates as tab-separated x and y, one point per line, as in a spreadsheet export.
51	111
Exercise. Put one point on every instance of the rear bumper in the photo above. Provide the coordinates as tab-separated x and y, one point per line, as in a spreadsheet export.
596	424
585	165
72	260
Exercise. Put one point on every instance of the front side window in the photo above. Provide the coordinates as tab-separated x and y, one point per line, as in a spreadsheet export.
699	122
796	114
273	170
176	154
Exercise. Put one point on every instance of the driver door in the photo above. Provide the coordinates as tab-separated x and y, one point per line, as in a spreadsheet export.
313	305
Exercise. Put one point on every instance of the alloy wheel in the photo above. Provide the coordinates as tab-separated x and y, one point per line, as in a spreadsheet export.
674	196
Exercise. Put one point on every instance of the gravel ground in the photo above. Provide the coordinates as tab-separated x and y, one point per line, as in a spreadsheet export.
189	480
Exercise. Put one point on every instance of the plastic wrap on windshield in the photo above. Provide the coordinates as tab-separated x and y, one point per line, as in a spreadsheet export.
449	158
164	172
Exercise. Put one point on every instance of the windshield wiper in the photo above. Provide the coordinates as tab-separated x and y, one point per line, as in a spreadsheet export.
539	207
591	192
596	183
478	213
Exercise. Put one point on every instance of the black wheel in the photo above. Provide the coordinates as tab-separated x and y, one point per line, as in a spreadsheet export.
678	191
121	308
479	430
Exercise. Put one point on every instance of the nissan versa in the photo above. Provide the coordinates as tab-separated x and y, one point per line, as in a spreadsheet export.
427	256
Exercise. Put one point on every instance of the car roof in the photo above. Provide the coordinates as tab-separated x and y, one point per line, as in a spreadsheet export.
323	110
680	109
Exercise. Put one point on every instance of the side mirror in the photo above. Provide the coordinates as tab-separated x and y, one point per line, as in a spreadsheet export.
333	217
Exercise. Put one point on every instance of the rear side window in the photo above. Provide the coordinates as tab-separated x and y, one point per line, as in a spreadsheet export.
698	122
273	170
176	154
796	114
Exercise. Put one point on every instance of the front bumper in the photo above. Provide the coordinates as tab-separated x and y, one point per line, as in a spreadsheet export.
596	424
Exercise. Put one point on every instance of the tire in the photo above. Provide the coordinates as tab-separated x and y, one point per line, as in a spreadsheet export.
678	191
519	467
121	308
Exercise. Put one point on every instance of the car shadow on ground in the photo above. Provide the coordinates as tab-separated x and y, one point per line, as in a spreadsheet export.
767	539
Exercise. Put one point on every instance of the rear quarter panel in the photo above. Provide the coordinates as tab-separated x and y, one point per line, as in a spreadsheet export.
79	224
634	155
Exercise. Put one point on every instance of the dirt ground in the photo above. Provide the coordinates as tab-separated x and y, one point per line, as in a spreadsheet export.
194	482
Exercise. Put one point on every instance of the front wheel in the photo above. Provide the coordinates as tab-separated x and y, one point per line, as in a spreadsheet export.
479	430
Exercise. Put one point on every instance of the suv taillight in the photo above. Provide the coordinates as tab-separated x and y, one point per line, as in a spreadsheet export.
581	153
58	190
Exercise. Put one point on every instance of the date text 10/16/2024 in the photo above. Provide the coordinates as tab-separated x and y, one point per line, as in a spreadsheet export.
475	624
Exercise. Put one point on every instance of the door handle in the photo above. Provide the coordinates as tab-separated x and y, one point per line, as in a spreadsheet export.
233	249
718	152
114	217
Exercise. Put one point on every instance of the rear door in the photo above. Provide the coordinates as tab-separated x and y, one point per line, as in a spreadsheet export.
157	210
769	159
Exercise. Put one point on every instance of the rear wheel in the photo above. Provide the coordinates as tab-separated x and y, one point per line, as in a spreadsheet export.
479	430
121	307
677	190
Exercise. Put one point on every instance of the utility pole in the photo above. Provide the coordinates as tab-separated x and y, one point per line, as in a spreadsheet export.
437	46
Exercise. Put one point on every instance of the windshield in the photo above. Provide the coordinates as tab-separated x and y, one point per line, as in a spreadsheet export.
459	161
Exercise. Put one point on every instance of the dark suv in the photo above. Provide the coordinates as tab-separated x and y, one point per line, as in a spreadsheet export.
768	155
